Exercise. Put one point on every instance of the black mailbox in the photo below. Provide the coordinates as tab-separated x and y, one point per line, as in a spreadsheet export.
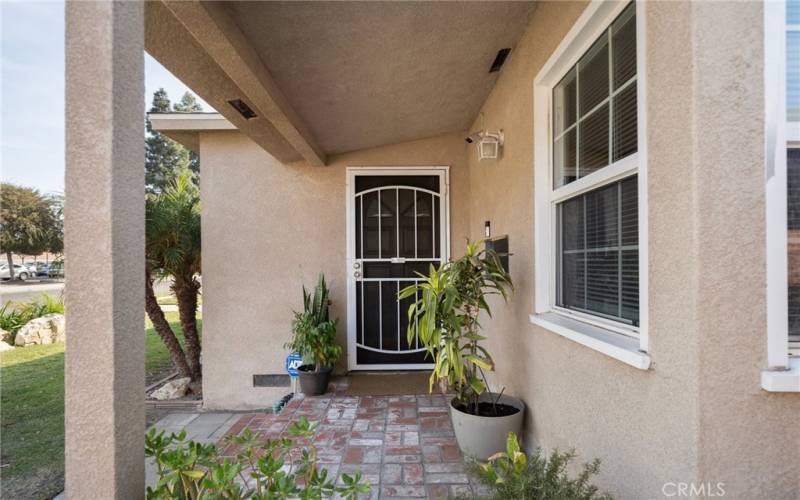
500	247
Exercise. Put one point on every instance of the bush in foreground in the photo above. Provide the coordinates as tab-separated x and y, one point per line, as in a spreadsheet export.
275	468
513	474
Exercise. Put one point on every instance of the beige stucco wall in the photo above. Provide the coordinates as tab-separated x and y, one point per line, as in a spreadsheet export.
698	415
642	424
748	438
269	228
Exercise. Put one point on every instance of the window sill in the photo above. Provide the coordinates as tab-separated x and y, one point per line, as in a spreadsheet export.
783	380
611	344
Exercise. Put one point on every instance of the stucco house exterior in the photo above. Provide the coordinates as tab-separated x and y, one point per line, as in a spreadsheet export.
644	183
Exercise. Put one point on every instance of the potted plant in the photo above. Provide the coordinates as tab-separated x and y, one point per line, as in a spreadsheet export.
447	320
314	337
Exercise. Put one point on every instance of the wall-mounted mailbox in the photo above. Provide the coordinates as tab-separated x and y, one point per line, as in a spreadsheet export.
500	246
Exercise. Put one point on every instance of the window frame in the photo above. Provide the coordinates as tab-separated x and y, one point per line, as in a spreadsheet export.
792	142
783	368
626	343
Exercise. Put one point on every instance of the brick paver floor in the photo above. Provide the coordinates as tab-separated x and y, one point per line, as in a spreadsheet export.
403	445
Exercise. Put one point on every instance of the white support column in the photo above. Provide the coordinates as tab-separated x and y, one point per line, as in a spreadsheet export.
104	221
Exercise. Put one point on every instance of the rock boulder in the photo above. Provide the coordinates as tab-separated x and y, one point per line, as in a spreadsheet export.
5	347
48	329
173	389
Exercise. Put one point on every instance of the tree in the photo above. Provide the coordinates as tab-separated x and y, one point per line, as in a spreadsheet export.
55	240
172	249
163	156
187	104
30	223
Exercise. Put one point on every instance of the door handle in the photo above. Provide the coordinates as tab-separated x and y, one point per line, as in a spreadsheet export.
357	274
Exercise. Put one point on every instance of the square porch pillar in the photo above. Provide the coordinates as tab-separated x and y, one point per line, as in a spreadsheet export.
104	250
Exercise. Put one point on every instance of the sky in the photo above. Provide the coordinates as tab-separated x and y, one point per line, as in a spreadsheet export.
32	93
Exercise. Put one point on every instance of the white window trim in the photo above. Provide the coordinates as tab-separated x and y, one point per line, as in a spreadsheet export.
613	339
783	372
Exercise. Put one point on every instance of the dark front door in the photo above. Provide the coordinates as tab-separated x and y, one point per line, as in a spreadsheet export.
398	229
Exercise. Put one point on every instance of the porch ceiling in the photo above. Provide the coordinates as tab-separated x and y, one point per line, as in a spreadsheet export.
343	76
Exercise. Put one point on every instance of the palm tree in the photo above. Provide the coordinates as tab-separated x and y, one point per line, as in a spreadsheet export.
173	250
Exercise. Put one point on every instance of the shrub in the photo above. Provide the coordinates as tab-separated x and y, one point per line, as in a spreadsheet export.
14	315
275	468
313	332
11	319
45	304
446	319
513	474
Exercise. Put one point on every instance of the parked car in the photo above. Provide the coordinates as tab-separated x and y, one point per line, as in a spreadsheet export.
56	269
42	268
31	269
21	272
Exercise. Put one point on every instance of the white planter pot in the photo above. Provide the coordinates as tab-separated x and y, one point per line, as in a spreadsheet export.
481	437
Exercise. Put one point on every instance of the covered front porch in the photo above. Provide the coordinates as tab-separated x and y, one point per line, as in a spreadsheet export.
310	95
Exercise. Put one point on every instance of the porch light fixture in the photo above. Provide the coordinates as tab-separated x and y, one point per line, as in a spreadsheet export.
489	144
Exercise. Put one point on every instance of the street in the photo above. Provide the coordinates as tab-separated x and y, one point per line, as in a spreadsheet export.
19	291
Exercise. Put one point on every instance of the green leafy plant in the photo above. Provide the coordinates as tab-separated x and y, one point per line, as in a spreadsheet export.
513	474
42	306
313	332
261	469
446	319
12	319
14	315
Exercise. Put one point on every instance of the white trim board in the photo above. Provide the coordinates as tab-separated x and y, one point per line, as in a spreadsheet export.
189	121
776	186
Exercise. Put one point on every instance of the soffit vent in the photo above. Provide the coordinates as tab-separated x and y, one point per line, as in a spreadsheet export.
243	109
499	59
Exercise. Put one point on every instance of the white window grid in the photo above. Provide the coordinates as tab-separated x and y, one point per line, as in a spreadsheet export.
592	24
615	171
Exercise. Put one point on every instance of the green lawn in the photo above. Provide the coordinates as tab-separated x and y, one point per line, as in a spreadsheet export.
32	413
169	299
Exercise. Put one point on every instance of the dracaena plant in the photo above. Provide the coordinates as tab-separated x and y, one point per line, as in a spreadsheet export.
446	318
261	469
313	332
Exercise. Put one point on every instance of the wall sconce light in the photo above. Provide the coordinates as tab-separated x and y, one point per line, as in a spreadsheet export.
489	145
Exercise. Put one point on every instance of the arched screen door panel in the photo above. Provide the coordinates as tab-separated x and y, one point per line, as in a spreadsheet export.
397	227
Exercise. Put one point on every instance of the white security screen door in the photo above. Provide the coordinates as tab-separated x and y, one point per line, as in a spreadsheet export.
397	226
